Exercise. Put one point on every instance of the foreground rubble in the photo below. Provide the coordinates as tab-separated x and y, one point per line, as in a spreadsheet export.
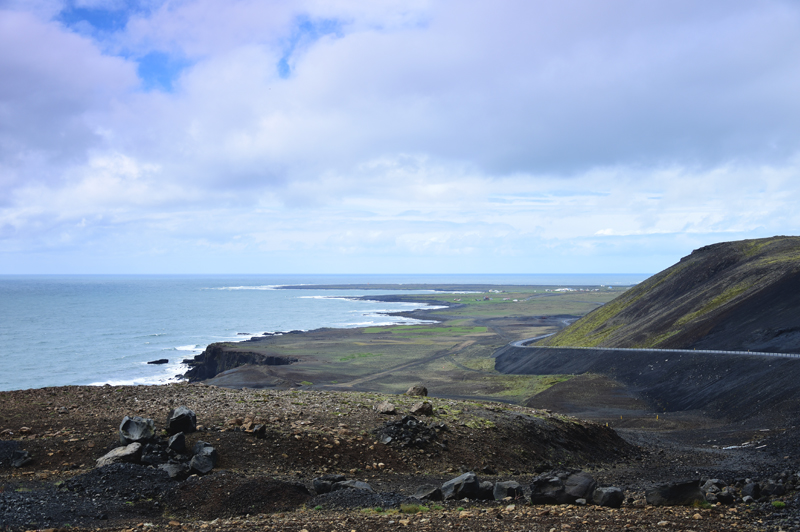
293	460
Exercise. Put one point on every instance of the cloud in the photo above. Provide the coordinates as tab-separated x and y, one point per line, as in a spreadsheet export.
380	132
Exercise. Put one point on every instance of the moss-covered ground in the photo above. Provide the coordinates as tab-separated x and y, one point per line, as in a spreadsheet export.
451	356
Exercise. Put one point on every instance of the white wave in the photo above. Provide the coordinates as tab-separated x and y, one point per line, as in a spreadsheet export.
339	298
191	347
260	287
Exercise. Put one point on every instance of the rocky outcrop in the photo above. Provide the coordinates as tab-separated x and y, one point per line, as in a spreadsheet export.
222	357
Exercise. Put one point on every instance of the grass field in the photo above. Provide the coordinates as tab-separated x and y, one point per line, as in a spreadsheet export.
451	358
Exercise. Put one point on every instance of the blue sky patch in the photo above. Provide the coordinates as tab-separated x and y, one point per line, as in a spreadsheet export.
98	19
159	70
305	32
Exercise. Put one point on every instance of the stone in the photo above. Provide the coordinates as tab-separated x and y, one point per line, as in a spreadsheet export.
136	429
153	454
418	390
129	454
181	419
20	458
485	491
325	483
260	431
505	489
466	485
204	458
159	361
725	496
177	442
611	497
752	489
428	493
547	490
683	493
422	409
579	486
385	408
713	485
201	464
352	484
176	471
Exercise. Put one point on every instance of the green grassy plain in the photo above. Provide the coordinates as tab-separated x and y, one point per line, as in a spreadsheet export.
452	357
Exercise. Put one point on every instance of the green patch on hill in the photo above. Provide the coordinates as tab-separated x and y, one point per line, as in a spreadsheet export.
733	295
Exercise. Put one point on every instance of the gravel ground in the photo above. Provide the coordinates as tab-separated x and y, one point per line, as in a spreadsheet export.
265	484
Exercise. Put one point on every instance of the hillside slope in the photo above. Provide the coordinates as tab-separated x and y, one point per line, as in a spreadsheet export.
741	295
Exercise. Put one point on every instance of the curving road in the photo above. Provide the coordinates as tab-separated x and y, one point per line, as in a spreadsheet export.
526	341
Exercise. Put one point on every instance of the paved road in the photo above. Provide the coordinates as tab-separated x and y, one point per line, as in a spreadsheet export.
525	342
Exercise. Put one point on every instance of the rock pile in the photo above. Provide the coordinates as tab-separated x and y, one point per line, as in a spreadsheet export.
141	445
714	490
555	488
410	432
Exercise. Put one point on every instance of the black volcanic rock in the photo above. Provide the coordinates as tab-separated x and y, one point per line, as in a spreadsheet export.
221	357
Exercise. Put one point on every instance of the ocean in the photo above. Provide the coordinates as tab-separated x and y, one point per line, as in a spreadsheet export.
98	329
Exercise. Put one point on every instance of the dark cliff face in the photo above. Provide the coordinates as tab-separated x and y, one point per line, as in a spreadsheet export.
741	295
222	357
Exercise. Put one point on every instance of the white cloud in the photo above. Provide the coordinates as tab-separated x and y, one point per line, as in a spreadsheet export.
440	131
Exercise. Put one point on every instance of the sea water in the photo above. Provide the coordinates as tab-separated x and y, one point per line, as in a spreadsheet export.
96	329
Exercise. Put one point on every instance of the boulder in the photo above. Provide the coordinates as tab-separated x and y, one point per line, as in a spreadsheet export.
159	361
352	484
725	496
136	429
610	497
675	494
772	489
130	454
428	493
507	489
21	458
385	408
181	419
579	486
751	489
713	485
176	470
563	488
547	490
177	443
417	389
485	490
464	486
422	409
325	483
204	458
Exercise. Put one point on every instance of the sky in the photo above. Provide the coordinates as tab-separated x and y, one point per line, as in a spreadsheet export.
338	136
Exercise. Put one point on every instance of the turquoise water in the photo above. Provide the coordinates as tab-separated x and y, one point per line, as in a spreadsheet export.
67	330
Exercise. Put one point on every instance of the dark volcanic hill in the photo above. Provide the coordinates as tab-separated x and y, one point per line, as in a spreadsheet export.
741	295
